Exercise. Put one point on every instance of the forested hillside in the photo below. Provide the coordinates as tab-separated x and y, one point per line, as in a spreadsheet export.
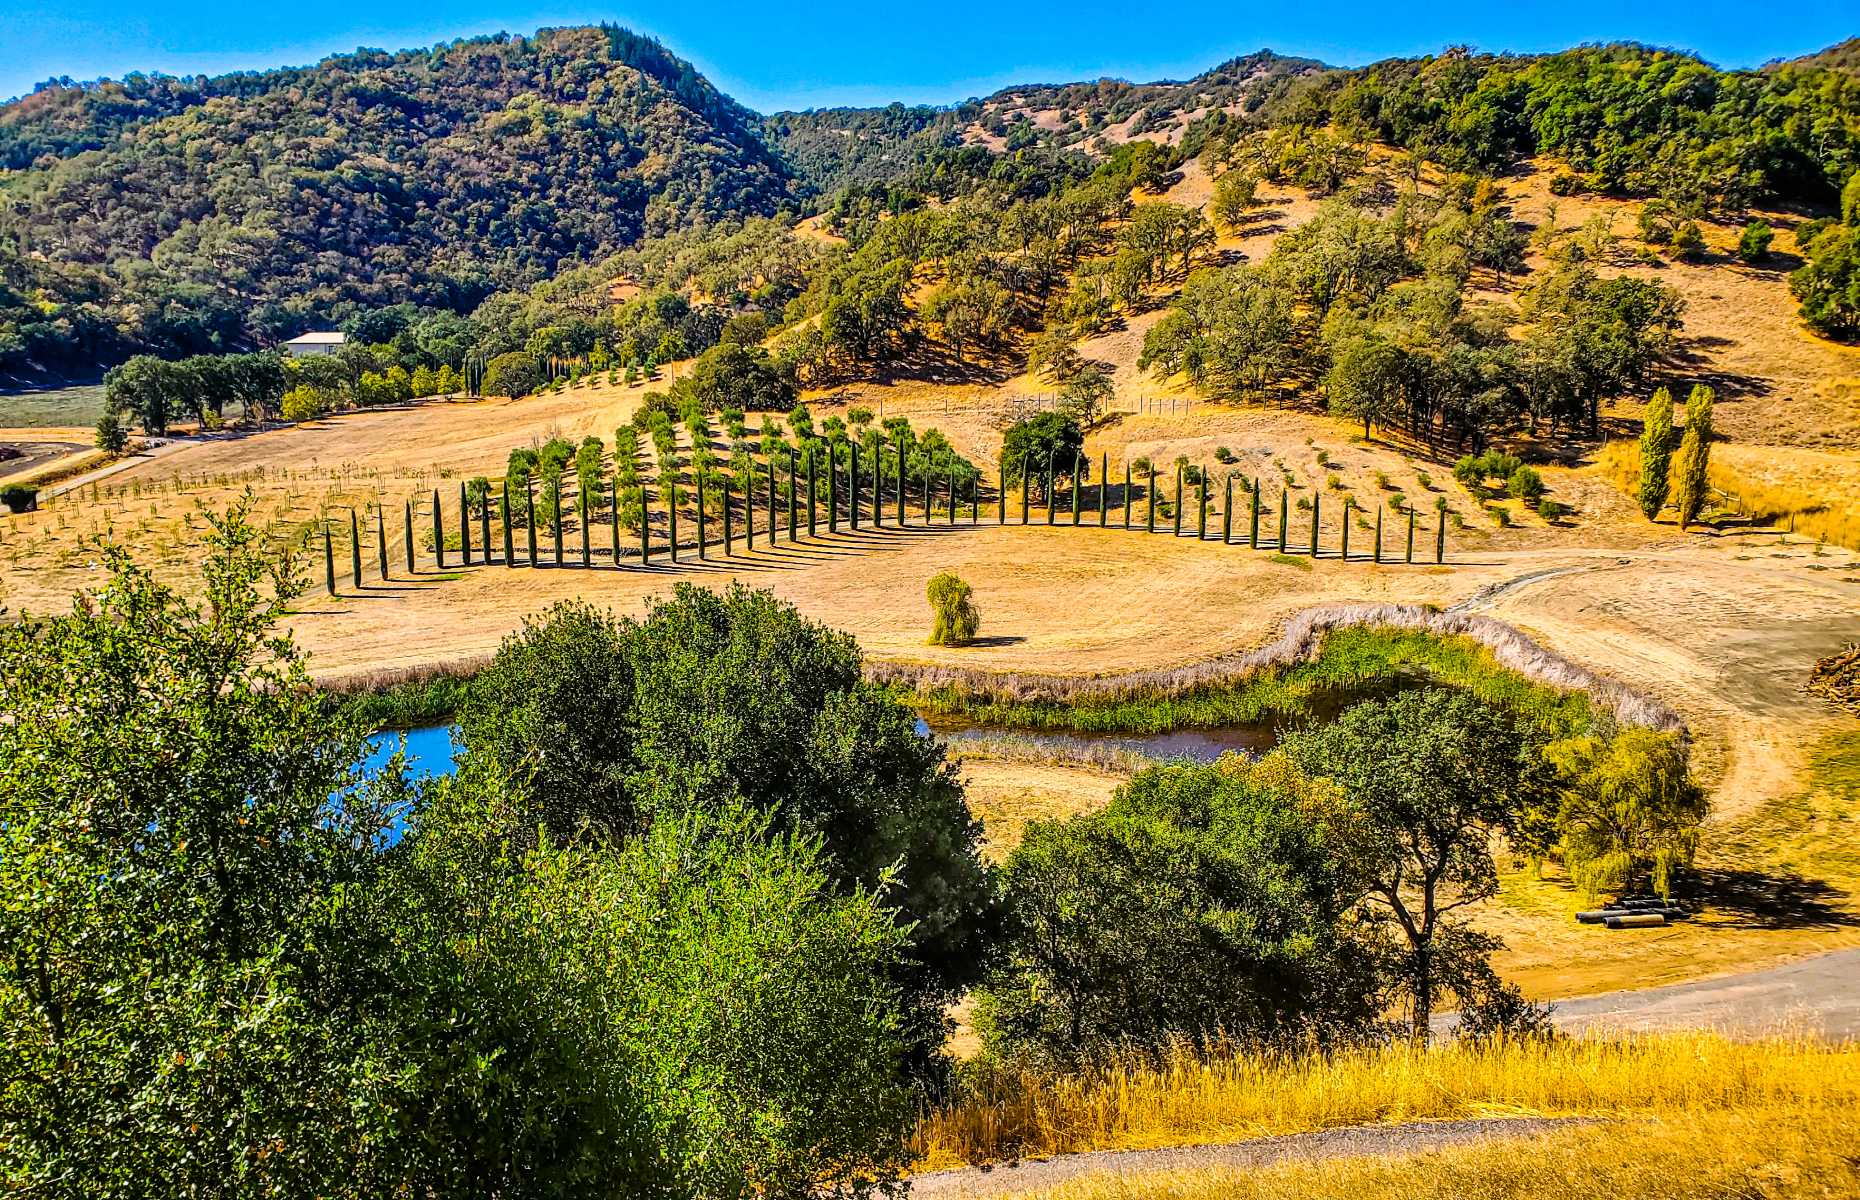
183	216
540	183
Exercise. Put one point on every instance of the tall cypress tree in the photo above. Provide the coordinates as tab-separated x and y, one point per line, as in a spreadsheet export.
381	542
1178	500
555	526
355	550
1227	513
408	513
1252	533
833	488
329	560
529	516
1104	487
503	503
439	533
1656	453
464	526
1694	458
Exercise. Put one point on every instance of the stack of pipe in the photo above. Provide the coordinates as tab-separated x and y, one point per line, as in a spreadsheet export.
1634	912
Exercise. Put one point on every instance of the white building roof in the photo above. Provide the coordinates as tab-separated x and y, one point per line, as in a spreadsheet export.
318	339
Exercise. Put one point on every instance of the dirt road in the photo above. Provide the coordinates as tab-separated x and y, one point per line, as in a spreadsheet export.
1359	1141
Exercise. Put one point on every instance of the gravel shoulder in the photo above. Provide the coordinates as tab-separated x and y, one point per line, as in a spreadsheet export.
1356	1141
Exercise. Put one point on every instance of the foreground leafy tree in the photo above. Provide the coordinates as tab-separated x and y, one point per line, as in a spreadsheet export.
714	700
1203	901
219	982
1428	777
170	860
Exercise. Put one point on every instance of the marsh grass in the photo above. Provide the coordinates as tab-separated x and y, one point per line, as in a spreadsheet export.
406	697
1325	659
1182	1098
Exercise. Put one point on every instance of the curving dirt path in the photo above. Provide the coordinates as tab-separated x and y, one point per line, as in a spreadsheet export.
1354	1142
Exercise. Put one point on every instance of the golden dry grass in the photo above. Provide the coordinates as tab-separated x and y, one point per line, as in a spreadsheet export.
1800	1150
1225	1097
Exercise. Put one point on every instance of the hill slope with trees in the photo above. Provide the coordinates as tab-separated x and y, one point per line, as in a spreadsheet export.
184	216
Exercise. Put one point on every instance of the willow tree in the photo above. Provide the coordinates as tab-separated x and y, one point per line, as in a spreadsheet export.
1656	453
1629	811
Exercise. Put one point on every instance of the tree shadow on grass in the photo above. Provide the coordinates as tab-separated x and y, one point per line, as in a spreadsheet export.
1784	900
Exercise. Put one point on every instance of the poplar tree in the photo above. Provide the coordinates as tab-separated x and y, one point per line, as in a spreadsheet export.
1694	456
1656	453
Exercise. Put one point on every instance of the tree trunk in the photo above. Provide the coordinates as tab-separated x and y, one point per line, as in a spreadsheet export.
1423	994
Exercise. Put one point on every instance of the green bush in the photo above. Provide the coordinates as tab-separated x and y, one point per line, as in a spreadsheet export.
1549	509
1753	245
1525	484
1223	455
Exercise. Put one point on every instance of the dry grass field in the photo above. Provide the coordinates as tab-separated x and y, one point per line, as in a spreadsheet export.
1720	624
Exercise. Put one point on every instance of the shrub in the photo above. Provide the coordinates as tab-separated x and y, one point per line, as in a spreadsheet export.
1525	484
1500	515
301	403
1398	502
1689	242
1382	480
1549	509
1753	245
952	606
1223	455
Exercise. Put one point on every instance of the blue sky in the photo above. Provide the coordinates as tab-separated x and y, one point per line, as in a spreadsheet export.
821	52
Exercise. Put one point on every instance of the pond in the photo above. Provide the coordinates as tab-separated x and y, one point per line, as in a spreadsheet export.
429	750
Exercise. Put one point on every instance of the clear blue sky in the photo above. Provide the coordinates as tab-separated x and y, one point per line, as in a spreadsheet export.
822	52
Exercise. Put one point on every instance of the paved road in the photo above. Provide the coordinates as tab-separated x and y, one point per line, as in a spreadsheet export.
1356	1141
1816	995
